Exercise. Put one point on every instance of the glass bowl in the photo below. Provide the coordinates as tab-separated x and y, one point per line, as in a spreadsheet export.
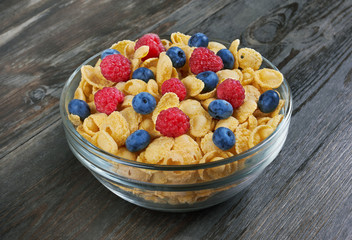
176	188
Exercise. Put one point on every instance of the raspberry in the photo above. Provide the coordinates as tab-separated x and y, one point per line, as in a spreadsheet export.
176	86
172	122
116	68
203	59
107	99
232	91
153	41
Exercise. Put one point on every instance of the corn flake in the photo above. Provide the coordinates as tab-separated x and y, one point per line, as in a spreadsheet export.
141	52
194	86
106	142
259	134
204	96
205	103
230	123
117	127
132	117
248	76
127	101
124	153
233	49
249	58
201	124
153	89
163	68
207	144
251	93
275	121
242	135
168	100
121	45
215	46
94	77
245	110
158	149
191	108
135	86
75	119
148	125
268	78
226	73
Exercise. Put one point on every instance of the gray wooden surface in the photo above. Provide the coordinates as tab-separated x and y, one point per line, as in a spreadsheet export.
306	193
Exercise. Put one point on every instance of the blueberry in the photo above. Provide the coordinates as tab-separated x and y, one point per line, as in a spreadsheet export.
198	40
227	58
210	80
177	56
108	52
137	141
224	138
79	107
143	73
268	101
220	109
143	103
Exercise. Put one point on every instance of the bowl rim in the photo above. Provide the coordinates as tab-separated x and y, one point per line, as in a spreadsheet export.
251	151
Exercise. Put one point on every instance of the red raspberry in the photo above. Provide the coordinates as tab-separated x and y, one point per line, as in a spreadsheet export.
116	68
107	99
232	91
203	59
172	122
153	41
176	86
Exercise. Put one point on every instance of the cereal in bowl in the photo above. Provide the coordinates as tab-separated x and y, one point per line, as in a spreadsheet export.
186	100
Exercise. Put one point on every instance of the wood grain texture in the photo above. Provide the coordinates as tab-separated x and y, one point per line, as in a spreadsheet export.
306	193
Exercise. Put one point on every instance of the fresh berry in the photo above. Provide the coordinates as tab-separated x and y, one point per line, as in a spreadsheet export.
198	40
224	138
220	109
210	80
116	68
108	52
79	107
268	101
143	73
227	58
176	86
143	103
137	141
172	122
107	99
232	91
153	41
177	56
203	59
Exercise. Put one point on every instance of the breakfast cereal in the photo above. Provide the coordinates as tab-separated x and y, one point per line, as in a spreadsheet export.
248	123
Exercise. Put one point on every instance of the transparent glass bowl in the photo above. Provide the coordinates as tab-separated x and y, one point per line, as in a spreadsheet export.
174	188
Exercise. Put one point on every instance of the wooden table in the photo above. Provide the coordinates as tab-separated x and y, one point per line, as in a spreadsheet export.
305	193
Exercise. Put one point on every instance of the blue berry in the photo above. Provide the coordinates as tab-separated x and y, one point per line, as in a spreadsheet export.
79	107
224	138
108	52
220	109
177	56
210	80
227	58
268	101
198	40
143	73
143	103
137	141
